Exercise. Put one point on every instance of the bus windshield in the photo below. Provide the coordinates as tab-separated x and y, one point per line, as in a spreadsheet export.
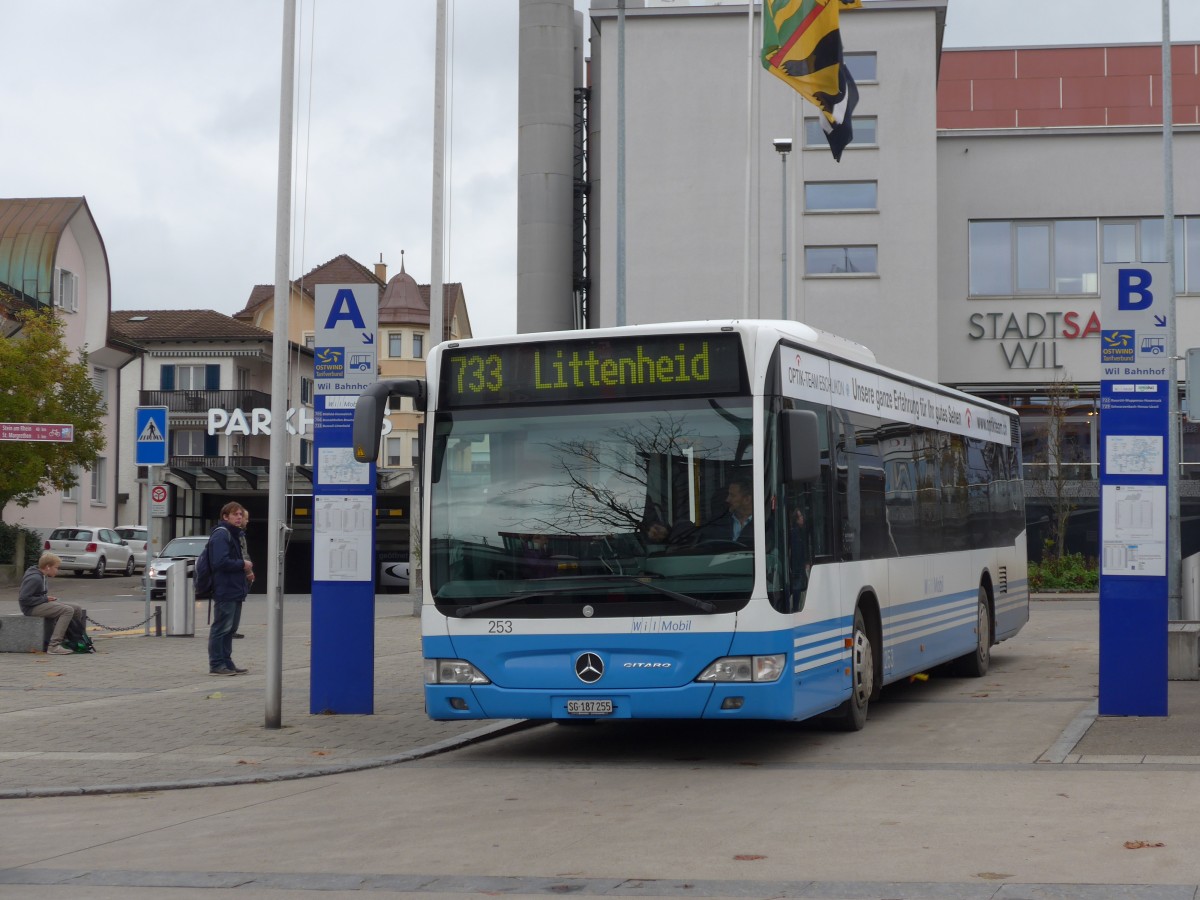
599	509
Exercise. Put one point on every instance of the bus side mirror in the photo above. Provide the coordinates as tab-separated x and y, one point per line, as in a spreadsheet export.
801	445
368	413
368	422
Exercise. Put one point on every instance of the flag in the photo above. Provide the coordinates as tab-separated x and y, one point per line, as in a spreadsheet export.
836	123
802	46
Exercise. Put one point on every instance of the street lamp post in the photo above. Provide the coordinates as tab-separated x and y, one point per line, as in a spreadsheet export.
783	147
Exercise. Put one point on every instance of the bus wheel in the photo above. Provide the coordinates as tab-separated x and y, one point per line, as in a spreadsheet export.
852	715
975	664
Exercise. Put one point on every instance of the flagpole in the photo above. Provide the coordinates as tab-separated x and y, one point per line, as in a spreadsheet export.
277	478
620	162
750	150
1174	575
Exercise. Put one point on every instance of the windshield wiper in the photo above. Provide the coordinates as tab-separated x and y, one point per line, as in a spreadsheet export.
695	602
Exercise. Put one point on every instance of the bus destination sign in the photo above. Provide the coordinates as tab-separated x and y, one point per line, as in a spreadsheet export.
593	369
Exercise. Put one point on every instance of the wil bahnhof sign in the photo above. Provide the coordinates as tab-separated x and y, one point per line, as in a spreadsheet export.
1136	378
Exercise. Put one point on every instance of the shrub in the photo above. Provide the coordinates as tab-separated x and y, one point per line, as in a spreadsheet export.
8	546
1071	572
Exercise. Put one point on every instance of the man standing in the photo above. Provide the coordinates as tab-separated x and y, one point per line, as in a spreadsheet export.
246	556
230	571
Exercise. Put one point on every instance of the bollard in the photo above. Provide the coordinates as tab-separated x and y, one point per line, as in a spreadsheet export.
158	621
181	603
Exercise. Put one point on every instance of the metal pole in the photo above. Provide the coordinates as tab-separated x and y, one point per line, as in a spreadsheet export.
436	301
750	150
783	202
277	479
1174	576
620	162
437	330
150	470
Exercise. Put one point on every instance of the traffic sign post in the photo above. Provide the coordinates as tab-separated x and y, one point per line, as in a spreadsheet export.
151	451
342	650
1137	377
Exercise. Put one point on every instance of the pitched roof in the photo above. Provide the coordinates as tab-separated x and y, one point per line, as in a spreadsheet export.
143	325
339	270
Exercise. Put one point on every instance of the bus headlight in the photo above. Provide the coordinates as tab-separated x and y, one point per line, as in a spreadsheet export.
453	671
745	668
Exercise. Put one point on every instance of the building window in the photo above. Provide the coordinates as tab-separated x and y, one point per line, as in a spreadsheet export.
418	346
188	441
310	339
306	389
840	195
71	494
392	448
1060	257
841	260
396	344
100	383
1033	259
416	450
306	452
189	378
864	132
68	291
863	67
99	476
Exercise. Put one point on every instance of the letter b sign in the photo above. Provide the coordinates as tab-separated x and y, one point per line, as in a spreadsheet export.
1133	290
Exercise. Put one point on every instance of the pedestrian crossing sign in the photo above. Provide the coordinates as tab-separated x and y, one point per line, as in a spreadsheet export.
151	441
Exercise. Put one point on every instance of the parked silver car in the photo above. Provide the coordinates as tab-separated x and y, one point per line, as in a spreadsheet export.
86	549
137	536
180	549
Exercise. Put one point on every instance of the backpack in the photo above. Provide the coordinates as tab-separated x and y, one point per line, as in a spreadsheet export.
77	638
204	575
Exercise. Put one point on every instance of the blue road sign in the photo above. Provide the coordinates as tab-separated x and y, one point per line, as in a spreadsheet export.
151	436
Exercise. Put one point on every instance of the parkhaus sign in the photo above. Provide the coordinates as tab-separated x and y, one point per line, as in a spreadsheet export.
223	421
1030	340
298	421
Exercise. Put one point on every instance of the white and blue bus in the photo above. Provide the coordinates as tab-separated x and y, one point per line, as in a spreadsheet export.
717	520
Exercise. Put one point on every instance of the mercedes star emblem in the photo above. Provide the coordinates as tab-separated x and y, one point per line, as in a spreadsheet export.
589	668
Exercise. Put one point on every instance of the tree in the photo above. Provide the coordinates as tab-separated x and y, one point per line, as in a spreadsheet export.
42	381
1062	398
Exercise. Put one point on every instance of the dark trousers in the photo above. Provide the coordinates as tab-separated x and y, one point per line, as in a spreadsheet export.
226	616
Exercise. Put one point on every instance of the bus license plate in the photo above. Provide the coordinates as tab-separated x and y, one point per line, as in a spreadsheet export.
589	707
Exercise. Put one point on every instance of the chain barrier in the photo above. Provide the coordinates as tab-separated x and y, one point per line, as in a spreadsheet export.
149	618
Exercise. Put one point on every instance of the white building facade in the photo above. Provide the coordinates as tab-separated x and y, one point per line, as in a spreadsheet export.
961	237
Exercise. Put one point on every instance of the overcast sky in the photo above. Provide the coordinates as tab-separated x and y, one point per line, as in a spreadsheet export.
164	114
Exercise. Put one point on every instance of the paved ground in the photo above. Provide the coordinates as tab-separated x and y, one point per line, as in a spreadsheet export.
143	713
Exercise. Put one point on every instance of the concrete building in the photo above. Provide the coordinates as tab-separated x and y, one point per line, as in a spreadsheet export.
961	237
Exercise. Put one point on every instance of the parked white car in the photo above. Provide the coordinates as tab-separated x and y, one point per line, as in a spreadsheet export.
91	549
180	549
137	536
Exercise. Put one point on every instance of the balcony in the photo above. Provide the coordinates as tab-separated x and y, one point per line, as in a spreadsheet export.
200	402
212	462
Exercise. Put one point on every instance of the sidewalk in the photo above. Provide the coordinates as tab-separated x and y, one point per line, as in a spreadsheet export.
142	713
